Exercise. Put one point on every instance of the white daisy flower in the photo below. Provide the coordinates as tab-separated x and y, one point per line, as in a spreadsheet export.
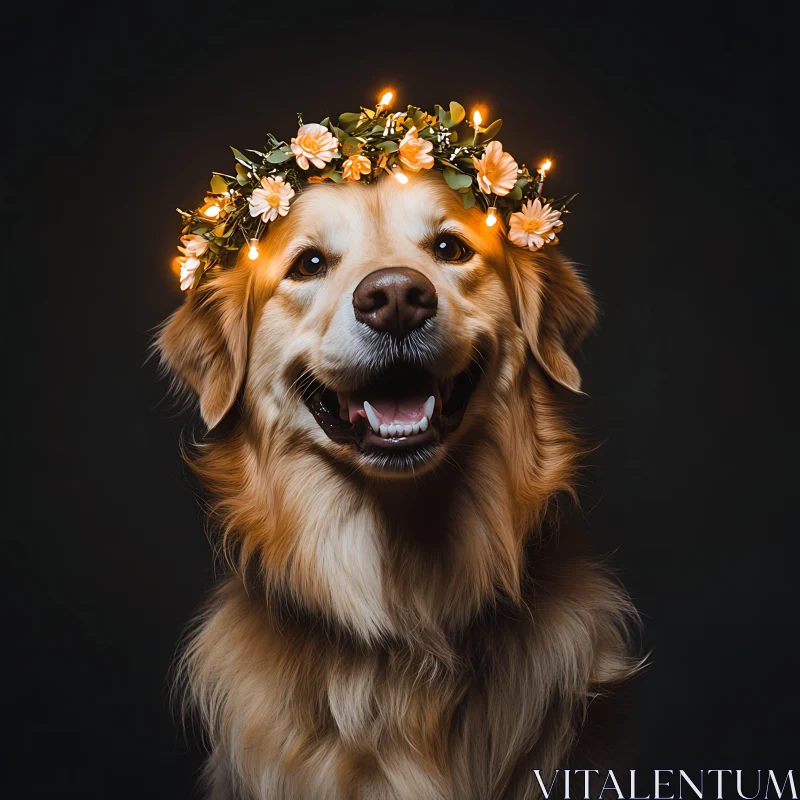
271	199
534	226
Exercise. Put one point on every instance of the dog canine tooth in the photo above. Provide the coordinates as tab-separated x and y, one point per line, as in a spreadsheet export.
344	405
415	428
430	404
384	431
372	417
423	424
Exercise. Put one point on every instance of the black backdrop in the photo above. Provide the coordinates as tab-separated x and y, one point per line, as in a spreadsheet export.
669	123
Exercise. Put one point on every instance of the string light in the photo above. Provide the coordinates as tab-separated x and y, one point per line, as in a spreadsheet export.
491	216
477	121
386	99
400	176
212	211
542	171
252	253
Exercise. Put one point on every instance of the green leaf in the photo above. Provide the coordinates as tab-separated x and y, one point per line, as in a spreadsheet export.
468	198
241	170
219	230
200	229
351	146
389	146
336	177
278	156
242	158
457	112
456	180
515	193
349	121
491	131
218	185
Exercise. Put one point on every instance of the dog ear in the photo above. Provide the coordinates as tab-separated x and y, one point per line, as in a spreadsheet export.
204	343
556	310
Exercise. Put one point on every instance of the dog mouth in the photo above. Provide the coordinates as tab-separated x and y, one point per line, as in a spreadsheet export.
398	416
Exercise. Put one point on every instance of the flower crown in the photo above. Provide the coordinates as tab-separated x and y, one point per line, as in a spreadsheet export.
362	147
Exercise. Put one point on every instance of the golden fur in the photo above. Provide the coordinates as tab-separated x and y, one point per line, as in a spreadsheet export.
384	636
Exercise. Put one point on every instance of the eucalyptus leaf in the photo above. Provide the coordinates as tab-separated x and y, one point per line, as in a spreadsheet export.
456	180
242	158
349	122
468	198
491	131
336	177
515	193
278	157
388	146
218	185
351	146
457	112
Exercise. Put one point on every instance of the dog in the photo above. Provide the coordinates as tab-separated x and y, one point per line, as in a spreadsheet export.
386	390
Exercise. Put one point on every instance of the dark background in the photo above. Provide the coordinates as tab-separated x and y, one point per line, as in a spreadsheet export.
670	123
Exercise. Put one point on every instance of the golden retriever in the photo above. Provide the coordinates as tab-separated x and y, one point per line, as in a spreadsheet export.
388	384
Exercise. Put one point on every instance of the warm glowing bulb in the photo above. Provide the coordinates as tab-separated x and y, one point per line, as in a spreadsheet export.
212	211
401	176
477	118
253	252
387	98
491	217
545	166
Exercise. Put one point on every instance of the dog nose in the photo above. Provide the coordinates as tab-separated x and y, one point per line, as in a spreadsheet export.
395	300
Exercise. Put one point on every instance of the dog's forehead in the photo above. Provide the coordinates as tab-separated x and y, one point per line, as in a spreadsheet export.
386	210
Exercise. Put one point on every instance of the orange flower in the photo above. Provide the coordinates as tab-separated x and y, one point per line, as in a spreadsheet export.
497	171
314	143
415	153
355	167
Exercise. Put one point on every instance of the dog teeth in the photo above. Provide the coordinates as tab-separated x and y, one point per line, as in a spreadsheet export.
400	428
372	417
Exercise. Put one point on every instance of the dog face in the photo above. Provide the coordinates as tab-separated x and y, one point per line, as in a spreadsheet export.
382	325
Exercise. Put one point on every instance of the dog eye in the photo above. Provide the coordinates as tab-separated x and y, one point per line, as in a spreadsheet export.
311	264
448	247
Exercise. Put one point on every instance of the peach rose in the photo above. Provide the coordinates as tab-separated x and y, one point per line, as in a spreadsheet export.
497	171
415	153
355	167
314	143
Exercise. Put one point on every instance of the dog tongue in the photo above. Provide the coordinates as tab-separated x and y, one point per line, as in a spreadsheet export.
391	409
